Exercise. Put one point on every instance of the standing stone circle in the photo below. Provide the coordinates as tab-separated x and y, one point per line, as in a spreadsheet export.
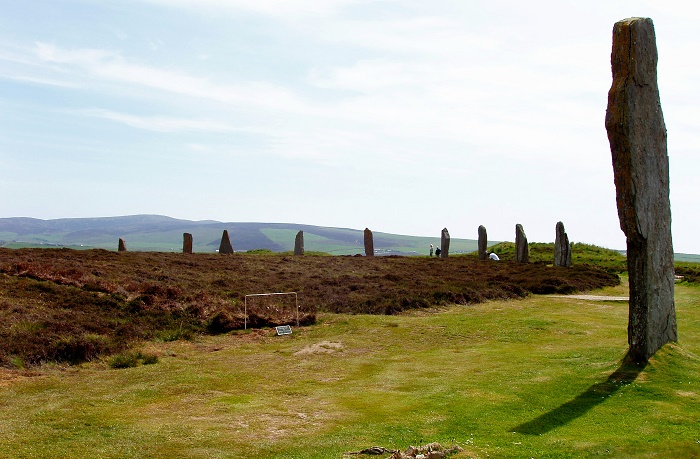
369	243
186	243
637	135
121	247
562	248
444	243
299	244
522	254
482	243
225	246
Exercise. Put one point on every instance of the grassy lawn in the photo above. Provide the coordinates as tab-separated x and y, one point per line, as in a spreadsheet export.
540	377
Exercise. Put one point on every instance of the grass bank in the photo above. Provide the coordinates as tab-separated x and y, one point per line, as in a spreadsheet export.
540	377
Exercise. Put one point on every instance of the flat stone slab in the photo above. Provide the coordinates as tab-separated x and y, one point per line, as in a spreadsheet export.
593	297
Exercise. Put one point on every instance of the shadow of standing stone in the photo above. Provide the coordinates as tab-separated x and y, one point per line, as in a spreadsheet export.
444	243
225	246
369	243
299	243
186	243
637	134
121	247
562	248
482	243
522	254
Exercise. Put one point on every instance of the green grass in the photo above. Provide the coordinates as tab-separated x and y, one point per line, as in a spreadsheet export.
540	377
608	259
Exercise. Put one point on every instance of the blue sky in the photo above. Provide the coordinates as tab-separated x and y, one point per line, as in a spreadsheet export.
401	116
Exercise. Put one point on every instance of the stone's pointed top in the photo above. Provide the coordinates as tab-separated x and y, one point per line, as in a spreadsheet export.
633	19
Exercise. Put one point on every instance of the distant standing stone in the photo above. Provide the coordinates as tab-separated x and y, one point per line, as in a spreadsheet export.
122	245
482	243
225	246
522	254
369	243
562	248
186	243
299	244
444	243
637	135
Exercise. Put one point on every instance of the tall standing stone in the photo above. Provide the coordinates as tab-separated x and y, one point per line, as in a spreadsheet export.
522	254
562	248
121	247
369	243
637	135
299	244
444	243
186	243
482	243
225	246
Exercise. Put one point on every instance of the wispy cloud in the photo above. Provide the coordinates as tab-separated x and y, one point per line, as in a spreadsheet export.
111	66
279	8
159	123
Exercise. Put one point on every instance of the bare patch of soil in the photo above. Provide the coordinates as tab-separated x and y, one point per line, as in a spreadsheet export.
324	347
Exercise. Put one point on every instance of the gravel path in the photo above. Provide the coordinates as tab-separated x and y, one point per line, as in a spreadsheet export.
593	297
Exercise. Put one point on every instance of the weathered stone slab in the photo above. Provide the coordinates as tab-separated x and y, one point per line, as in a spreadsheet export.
299	243
186	243
369	243
121	247
637	136
482	243
225	246
444	243
522	253
562	248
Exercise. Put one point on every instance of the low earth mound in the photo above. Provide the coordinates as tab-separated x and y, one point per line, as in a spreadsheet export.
72	306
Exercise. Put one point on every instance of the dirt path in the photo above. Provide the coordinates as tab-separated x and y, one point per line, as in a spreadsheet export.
593	297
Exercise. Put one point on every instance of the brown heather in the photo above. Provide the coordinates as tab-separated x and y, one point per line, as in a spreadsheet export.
70	306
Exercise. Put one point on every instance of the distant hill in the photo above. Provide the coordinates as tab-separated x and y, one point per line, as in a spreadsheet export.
164	234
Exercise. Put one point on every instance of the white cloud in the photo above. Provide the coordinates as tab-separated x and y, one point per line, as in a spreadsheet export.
158	123
113	67
267	7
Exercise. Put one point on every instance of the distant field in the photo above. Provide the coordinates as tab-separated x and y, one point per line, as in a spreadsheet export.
687	257
161	234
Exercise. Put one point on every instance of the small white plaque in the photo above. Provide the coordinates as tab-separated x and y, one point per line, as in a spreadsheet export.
284	330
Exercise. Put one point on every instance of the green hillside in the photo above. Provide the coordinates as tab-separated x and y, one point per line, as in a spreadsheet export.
163	234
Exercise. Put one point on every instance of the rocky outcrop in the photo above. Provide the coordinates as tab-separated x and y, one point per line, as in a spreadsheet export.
637	136
121	247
